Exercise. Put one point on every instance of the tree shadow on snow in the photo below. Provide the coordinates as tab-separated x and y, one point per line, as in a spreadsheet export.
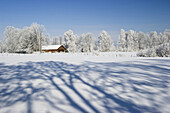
88	87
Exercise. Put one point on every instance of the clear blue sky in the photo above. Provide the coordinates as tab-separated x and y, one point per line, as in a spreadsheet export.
84	16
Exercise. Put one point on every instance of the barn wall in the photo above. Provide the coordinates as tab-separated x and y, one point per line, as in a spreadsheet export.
60	49
52	51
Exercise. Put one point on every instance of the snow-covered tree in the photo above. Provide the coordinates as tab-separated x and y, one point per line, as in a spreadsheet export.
55	41
70	41
94	43
160	41
166	36
28	39
32	38
89	46
45	39
61	40
148	45
154	38
77	42
86	43
135	42
157	45
141	40
130	40
12	36
148	42
38	32
122	41
163	50
105	42
1	47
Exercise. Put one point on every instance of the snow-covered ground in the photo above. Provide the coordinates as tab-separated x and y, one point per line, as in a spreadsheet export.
73	83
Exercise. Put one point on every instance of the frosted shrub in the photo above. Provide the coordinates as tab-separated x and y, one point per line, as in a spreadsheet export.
141	54
163	50
96	53
151	52
158	51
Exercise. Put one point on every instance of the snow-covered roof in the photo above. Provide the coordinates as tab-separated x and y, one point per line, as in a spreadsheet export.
50	47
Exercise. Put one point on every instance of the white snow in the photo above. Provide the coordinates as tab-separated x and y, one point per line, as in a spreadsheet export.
73	83
50	47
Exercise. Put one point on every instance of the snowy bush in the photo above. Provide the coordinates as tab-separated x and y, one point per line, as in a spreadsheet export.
163	50
158	51
147	53
96	53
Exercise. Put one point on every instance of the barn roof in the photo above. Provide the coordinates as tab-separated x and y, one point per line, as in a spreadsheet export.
51	47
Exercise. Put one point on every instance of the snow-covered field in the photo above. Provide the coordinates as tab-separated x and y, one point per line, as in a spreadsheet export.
73	83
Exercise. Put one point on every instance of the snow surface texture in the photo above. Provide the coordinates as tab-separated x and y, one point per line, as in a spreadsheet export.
74	83
50	47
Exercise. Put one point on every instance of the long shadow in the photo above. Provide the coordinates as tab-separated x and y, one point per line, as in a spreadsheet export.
12	90
18	84
128	105
71	86
72	102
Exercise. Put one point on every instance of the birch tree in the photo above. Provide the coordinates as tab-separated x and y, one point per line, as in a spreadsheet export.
70	41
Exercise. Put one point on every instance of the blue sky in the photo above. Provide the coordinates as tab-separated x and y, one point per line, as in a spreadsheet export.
84	16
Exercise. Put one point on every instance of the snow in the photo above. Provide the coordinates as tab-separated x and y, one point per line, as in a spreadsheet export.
50	47
66	82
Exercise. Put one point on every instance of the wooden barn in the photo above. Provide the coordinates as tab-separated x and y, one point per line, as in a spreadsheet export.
54	48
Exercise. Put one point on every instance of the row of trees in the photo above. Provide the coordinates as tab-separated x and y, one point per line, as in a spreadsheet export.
132	41
87	43
30	39
147	45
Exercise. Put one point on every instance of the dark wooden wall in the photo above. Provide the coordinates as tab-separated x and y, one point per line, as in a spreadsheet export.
60	49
